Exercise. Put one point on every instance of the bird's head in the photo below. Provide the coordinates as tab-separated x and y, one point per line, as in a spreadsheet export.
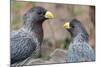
38	14
74	27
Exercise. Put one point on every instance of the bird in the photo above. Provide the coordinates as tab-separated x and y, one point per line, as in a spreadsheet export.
79	49
27	40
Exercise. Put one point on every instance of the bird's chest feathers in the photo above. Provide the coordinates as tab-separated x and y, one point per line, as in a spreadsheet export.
78	43
35	34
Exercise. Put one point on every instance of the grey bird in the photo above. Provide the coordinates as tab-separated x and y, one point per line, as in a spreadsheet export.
27	40
79	49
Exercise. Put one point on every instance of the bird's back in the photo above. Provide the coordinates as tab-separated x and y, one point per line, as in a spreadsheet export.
22	46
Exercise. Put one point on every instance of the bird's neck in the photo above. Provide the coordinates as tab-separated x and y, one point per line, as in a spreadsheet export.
80	37
35	27
35	30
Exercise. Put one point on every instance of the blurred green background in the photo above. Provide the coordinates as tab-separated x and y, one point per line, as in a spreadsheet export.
55	36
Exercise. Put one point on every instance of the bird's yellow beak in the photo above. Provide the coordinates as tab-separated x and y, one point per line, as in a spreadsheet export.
67	25
49	15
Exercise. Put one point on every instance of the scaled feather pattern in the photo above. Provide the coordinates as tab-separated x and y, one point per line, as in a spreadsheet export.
79	49
27	40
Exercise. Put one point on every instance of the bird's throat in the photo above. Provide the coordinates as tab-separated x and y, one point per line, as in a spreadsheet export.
35	29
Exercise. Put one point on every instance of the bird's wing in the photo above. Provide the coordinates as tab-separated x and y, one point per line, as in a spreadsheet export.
21	46
80	52
87	52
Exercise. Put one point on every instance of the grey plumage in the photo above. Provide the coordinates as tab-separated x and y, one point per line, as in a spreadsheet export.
79	50
27	40
22	46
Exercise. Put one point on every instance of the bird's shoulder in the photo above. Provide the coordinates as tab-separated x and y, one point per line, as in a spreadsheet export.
20	34
80	43
81	47
19	38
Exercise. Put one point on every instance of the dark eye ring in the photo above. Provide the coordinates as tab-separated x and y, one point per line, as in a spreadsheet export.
72	26
39	12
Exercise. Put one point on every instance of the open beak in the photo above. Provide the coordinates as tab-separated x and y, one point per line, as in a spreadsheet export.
67	25
49	15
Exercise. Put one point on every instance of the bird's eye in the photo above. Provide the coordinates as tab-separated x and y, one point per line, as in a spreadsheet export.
39	12
72	26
